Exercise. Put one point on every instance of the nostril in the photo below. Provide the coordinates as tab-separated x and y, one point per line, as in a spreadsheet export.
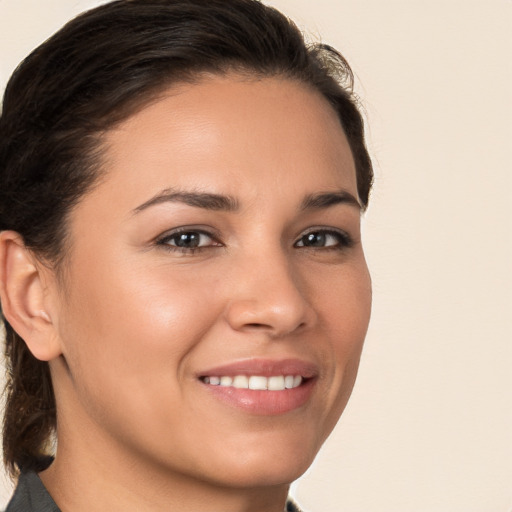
273	331
258	326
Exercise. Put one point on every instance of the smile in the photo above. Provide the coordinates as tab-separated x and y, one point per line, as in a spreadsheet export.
262	386
256	382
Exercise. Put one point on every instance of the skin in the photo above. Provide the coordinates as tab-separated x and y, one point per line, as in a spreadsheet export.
135	319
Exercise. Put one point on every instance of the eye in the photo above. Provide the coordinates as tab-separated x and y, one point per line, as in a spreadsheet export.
188	240
324	238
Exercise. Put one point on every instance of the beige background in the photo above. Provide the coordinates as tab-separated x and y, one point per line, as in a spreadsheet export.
429	428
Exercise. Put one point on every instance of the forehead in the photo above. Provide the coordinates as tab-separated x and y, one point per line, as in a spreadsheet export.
231	135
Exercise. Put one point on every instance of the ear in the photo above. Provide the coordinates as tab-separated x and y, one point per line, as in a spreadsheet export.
24	297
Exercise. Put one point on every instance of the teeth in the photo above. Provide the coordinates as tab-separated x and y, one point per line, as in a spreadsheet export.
226	381
256	382
276	383
288	381
241	382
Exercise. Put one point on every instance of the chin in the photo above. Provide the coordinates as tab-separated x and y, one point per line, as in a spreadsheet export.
269	474
274	466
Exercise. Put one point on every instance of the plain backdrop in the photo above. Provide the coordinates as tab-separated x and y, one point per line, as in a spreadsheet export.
429	426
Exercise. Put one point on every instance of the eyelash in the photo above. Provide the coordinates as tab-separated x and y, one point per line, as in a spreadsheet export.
342	240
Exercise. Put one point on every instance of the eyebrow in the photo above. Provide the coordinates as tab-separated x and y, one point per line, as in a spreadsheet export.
219	202
205	200
326	199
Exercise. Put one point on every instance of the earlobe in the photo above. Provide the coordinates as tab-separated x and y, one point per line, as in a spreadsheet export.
23	296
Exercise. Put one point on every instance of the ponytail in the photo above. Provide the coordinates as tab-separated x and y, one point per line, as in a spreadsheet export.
29	419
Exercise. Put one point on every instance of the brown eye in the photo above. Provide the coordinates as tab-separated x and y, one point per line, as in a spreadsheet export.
323	239
189	239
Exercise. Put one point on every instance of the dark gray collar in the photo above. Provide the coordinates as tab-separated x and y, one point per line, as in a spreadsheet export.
31	496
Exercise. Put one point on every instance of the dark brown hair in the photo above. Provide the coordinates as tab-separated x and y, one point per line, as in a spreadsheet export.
96	71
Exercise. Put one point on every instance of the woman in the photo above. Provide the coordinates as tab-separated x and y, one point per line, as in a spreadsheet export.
183	284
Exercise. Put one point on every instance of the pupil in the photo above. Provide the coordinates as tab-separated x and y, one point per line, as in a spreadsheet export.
315	239
188	240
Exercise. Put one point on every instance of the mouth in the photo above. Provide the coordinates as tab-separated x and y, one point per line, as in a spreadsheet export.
262	387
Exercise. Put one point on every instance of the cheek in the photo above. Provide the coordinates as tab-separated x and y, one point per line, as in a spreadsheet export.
134	335
345	306
353	316
343	301
135	300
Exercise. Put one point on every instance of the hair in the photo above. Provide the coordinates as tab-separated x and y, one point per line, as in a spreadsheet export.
99	69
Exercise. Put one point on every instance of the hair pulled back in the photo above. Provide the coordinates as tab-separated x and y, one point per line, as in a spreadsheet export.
96	71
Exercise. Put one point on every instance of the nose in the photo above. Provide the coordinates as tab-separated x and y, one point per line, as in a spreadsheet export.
269	296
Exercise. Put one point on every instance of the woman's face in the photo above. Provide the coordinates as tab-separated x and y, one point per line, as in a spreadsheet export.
223	244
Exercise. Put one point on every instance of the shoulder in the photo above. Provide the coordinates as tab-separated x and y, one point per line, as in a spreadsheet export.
30	495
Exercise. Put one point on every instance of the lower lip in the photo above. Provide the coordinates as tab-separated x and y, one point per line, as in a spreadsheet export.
265	403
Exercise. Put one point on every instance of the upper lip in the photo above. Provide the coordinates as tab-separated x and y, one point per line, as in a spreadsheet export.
264	367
